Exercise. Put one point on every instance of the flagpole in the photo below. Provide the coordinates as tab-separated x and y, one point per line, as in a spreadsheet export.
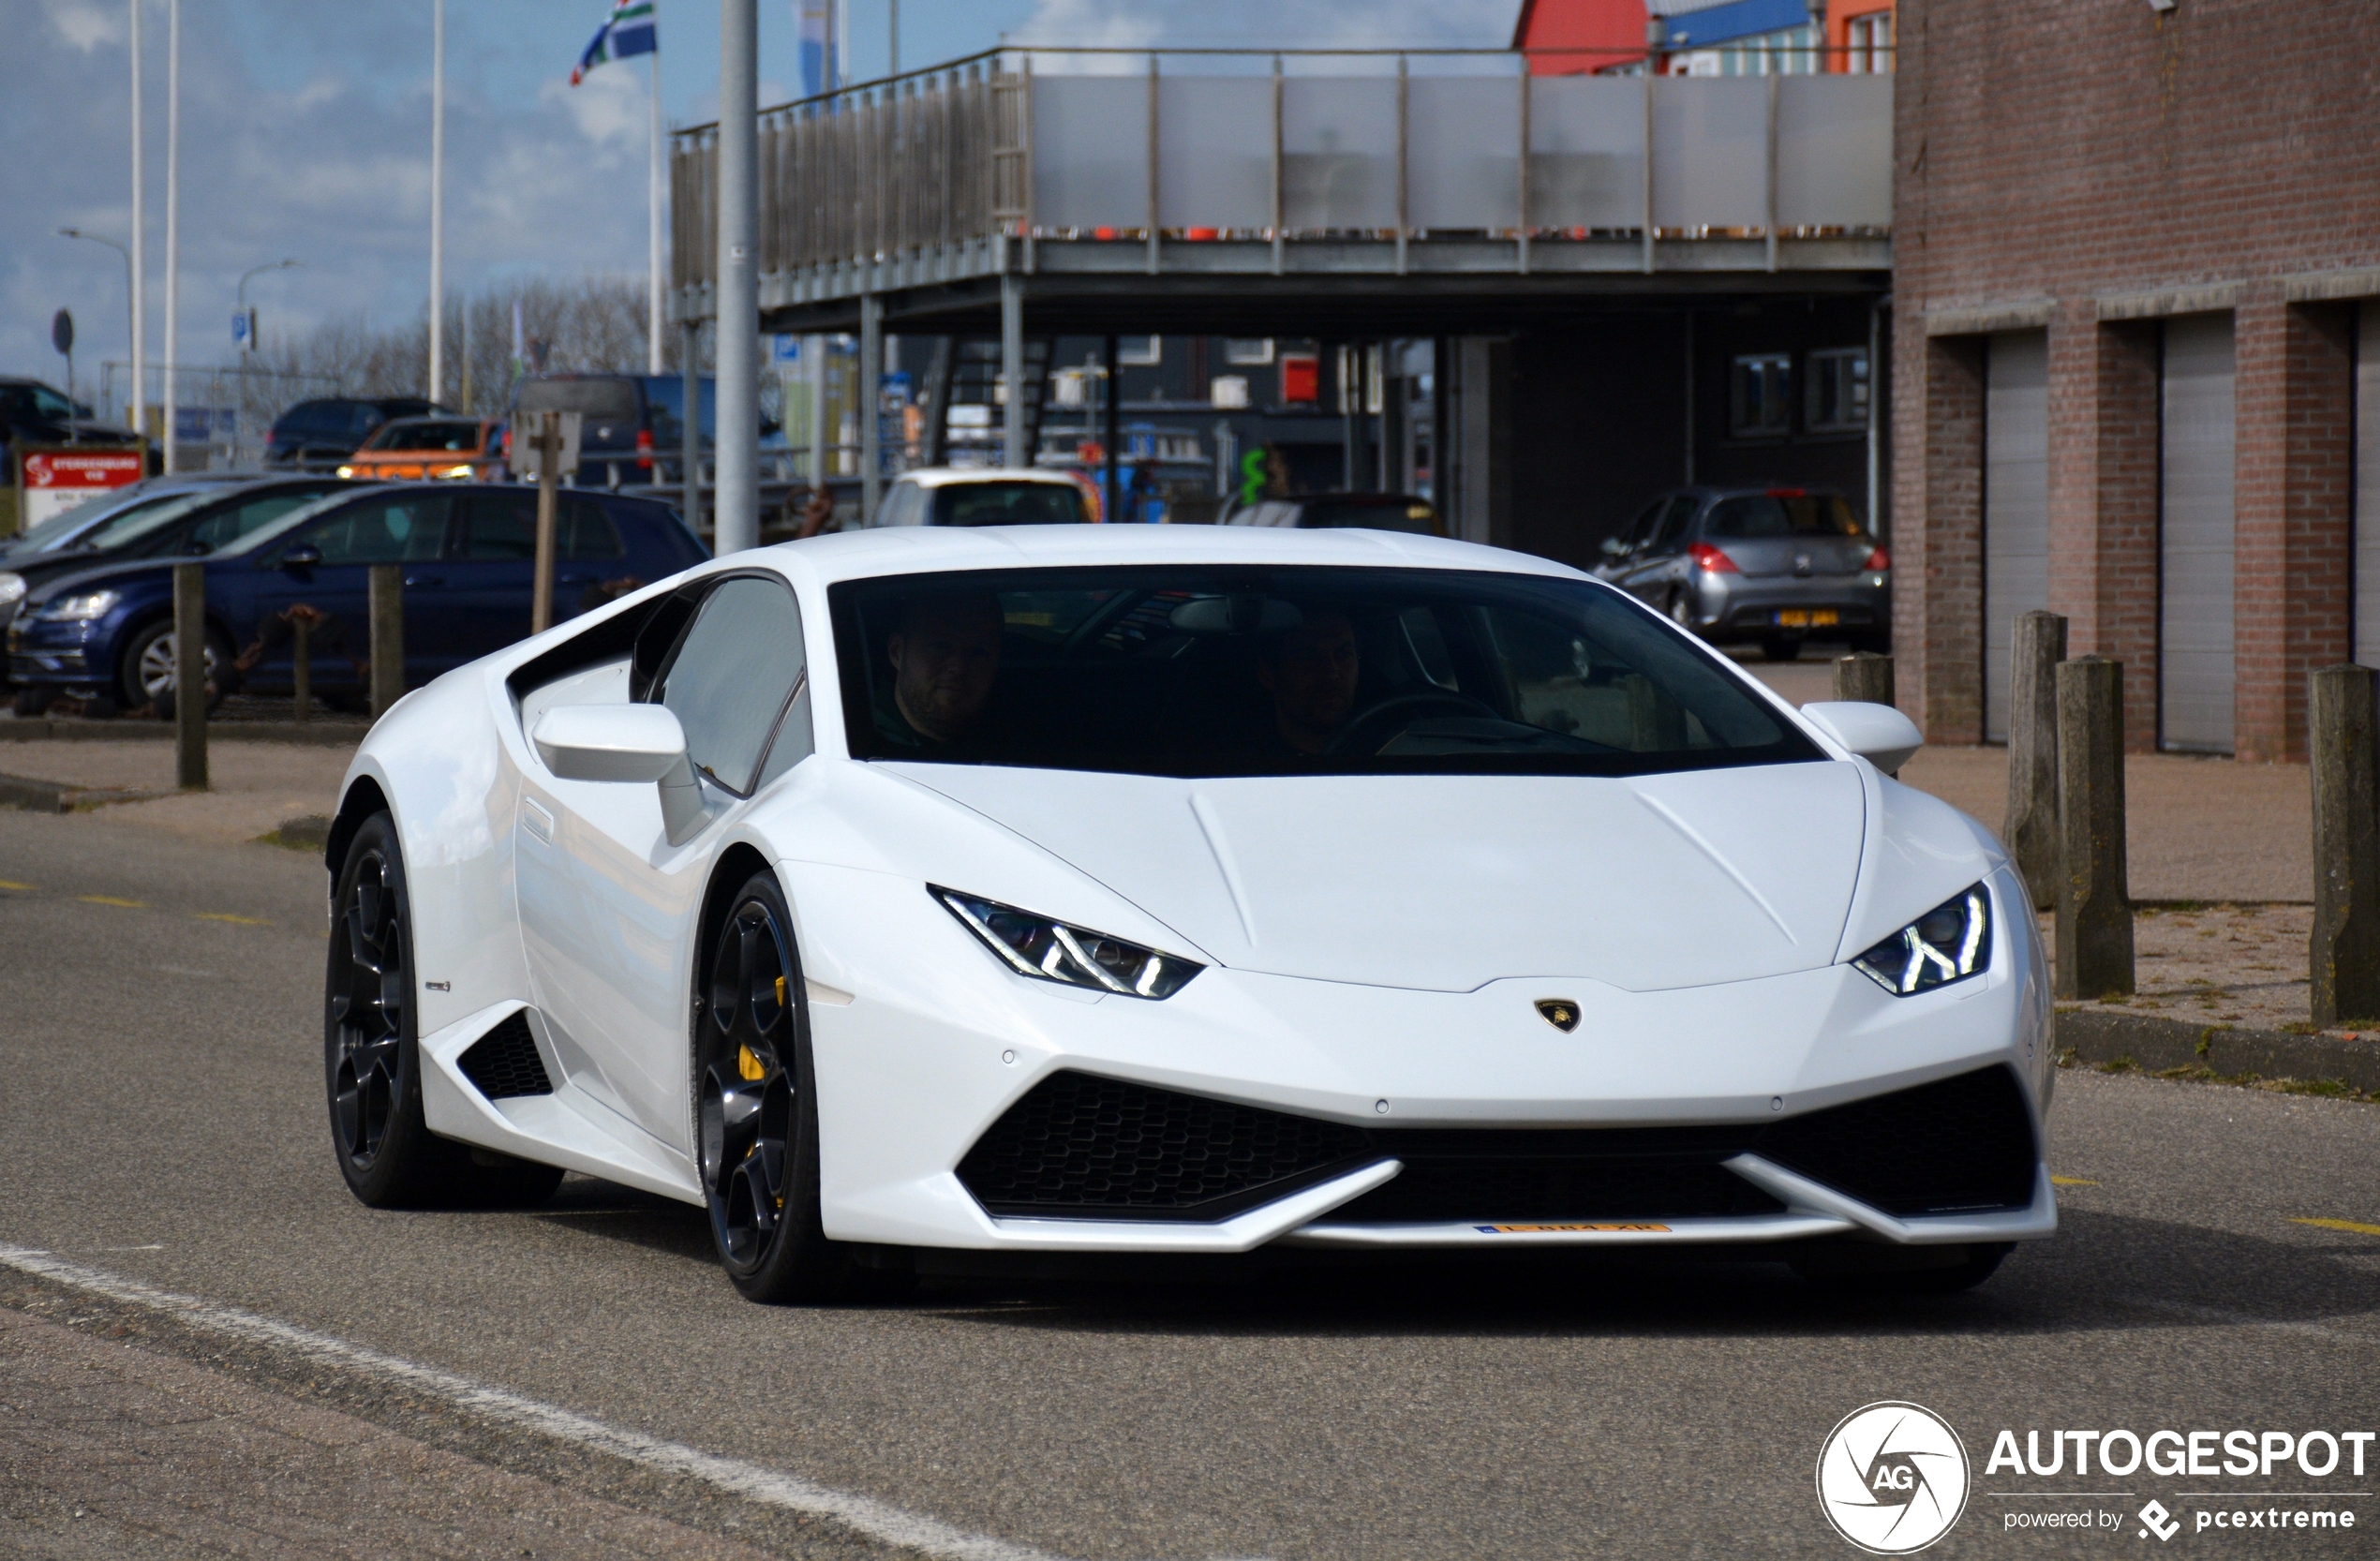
653	225
172	215
140	262
438	200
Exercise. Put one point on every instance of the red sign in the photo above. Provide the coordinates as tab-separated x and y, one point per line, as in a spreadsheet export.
1301	379
75	471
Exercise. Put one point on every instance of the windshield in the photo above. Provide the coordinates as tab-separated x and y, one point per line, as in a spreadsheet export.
59	528
1007	504
1759	516
460	437
1378	515
132	525
1219	670
284	525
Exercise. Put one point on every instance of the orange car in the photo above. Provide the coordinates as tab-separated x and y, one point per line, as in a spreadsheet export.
455	447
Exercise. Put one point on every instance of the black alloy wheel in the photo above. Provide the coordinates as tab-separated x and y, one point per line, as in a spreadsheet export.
755	1113
372	1057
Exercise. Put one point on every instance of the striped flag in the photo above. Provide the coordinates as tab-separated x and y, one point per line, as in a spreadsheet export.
629	30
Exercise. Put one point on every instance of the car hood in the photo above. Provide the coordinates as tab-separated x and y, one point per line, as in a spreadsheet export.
1446	882
45	584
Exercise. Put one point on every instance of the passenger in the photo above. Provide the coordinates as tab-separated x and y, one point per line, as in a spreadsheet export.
945	656
1311	672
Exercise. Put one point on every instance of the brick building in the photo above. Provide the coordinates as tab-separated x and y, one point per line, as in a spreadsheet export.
2137	255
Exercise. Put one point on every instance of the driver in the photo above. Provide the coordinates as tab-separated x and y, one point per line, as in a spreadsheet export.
1310	673
945	650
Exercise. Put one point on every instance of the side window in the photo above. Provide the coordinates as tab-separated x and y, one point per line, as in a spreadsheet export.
1673	523
732	677
391	531
225	526
586	531
500	525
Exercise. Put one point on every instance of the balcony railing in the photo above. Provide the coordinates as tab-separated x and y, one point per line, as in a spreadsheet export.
1406	161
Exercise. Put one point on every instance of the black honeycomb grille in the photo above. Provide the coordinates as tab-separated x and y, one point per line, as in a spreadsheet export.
1077	1146
504	1062
1954	1146
1084	1146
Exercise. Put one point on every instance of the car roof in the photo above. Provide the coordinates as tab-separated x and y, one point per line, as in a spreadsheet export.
949	476
925	549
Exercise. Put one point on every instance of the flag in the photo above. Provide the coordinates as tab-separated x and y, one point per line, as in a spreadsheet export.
629	30
814	22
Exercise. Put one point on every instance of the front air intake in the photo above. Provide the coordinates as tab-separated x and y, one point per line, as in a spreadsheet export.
504	1062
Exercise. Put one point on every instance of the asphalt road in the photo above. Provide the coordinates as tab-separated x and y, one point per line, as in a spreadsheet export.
162	1123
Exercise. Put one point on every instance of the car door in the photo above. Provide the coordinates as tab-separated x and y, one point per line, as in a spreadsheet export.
323	573
608	904
1653	571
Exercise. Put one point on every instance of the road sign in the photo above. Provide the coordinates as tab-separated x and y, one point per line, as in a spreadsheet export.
58	479
61	331
244	328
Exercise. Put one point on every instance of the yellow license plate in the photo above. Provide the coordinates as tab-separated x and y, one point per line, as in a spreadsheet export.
1807	617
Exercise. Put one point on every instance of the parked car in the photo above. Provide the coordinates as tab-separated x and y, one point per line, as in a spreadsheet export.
631	426
453	448
62	529
177	520
1773	565
32	412
986	496
469	549
1376	511
316	435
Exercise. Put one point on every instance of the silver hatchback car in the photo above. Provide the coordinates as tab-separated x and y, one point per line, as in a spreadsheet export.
1769	565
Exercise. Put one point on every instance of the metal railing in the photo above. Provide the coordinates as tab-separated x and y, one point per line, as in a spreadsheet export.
1282	147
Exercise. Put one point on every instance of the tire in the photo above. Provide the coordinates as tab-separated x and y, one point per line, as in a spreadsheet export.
371	1055
1919	1271
30	702
147	668
1781	647
756	1113
1682	610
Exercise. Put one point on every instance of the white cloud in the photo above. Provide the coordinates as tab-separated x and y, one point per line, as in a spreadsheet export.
85	26
609	104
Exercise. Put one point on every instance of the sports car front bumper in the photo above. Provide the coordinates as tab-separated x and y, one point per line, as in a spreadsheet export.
1661	1117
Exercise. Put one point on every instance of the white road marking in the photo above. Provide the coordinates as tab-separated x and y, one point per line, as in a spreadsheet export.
876	1520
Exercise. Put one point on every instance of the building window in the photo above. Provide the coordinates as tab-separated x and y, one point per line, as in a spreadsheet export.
1760	401
1836	386
1871	45
1140	349
1258	351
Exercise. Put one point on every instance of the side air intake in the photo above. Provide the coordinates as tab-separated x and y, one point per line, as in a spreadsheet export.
504	1062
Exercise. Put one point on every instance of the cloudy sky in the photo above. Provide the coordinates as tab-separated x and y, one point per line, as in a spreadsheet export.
305	134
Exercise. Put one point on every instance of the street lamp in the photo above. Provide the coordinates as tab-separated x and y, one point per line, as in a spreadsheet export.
131	333
256	271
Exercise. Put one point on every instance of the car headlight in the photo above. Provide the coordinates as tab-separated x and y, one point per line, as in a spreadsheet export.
81	607
346	471
11	589
1949	943
1048	950
457	472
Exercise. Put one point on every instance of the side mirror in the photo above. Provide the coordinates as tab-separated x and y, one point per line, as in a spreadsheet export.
1615	547
1877	732
303	556
637	744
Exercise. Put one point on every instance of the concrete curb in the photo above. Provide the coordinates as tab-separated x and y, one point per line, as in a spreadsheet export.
2095	1035
52	796
312	734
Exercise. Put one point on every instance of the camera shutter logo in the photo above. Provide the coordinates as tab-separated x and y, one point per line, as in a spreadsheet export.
1892	1477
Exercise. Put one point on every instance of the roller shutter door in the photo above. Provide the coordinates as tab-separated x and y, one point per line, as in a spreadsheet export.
2367	501
2016	503
2194	538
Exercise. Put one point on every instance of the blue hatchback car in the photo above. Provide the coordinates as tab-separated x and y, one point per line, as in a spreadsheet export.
469	552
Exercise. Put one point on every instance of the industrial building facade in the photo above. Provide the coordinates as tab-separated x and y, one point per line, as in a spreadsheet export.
2136	364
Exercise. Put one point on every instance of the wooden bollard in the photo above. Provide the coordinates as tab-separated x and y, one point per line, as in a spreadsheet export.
301	665
2038	645
1864	675
388	637
2094	892
2343	717
189	676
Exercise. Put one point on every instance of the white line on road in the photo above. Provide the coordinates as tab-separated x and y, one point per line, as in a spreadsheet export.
878	1521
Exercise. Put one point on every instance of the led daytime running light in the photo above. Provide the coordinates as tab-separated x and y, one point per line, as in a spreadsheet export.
1949	943
1047	950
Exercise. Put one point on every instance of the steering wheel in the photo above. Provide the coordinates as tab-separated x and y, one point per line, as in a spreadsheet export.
1371	729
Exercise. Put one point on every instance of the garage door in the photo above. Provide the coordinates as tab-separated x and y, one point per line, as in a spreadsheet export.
2016	503
2366	509
2194	538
